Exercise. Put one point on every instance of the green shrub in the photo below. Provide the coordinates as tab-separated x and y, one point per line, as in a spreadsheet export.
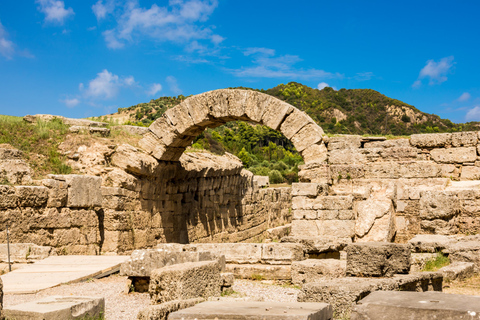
275	176
438	262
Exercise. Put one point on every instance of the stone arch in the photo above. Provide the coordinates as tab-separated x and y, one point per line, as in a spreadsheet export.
169	135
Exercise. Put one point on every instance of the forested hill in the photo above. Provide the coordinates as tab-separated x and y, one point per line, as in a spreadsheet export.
346	111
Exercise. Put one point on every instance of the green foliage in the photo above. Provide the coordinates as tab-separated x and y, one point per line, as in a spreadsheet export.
438	262
257	277
275	176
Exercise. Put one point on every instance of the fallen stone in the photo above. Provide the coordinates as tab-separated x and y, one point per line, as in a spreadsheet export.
185	281
260	271
254	310
57	307
313	270
343	293
430	243
377	259
162	311
278	232
416	305
458	270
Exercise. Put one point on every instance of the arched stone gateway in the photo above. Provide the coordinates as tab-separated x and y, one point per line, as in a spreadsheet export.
177	128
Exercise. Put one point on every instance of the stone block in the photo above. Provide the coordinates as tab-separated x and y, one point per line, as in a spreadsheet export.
58	307
309	135
318	245
419	169
24	252
133	161
83	191
336	228
57	193
314	154
8	198
281	253
294	122
262	181
143	262
15	171
343	293
313	270
185	281
345	171
398	153
255	310
162	311
233	252
347	156
314	172
31	196
260	271
377	259
344	142
430	243
431	140
227	279
309	189
454	155
458	270
278	232
470	173
275	112
416	305
333	203
465	250
464	139
438	204
393	143
375	220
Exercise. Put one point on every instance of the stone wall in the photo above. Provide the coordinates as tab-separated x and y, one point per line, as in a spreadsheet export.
394	189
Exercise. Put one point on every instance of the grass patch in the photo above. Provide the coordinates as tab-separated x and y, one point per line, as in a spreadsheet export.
39	143
438	262
257	277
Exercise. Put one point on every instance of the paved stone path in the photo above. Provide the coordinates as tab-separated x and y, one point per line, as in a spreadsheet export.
56	270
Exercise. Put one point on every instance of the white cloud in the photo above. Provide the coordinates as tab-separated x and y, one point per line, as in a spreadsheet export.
7	48
267	65
54	10
473	114
101	9
464	97
71	102
436	72
106	85
173	85
322	85
154	89
180	21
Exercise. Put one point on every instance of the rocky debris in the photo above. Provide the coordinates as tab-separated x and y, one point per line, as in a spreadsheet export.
416	305
58	307
313	270
458	270
430	243
67	121
318	245
260	271
255	310
185	281
343	293
262	181
377	259
25	252
163	310
375	220
13	169
104	132
131	129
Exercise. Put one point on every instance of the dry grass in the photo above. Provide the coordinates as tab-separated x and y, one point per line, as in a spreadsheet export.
470	286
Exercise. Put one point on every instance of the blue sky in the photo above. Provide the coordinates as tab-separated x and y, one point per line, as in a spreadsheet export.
81	58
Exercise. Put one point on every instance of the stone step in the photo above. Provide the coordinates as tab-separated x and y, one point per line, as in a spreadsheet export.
260	271
313	270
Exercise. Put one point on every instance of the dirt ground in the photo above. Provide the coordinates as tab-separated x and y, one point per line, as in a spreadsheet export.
470	286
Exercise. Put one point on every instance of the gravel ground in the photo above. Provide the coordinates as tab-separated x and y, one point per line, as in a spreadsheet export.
121	306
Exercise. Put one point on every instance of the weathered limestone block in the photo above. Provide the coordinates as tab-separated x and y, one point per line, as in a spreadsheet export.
304	228
278	232
377	259
264	271
309	189
410	189
454	155
398	153
470	173
319	245
420	169
162	311
256	103
344	293
464	139
375	220
120	179
57	192
416	305
309	135
180	119
294	122
382	170
300	214
15	171
430	243
333	203
314	172
281	253
315	154
262	181
275	112
336	228
185	281
233	252
152	144
313	270
134	130
228	278
8	198
458	270
10	153
58	307
23	252
345	171
83	191
347	156
438	204
465	250
344	142
431	140
133	161
31	196
393	143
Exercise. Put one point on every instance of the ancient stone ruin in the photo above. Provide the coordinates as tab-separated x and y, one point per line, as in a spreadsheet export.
350	227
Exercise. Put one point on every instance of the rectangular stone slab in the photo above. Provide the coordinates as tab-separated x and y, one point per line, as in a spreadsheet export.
58	307
253	310
416	305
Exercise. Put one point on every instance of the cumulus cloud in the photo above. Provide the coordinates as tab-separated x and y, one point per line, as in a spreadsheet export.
464	97
435	71
322	85
7	48
103	8
473	114
173	85
181	21
54	10
267	65
106	85
154	89
70	103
